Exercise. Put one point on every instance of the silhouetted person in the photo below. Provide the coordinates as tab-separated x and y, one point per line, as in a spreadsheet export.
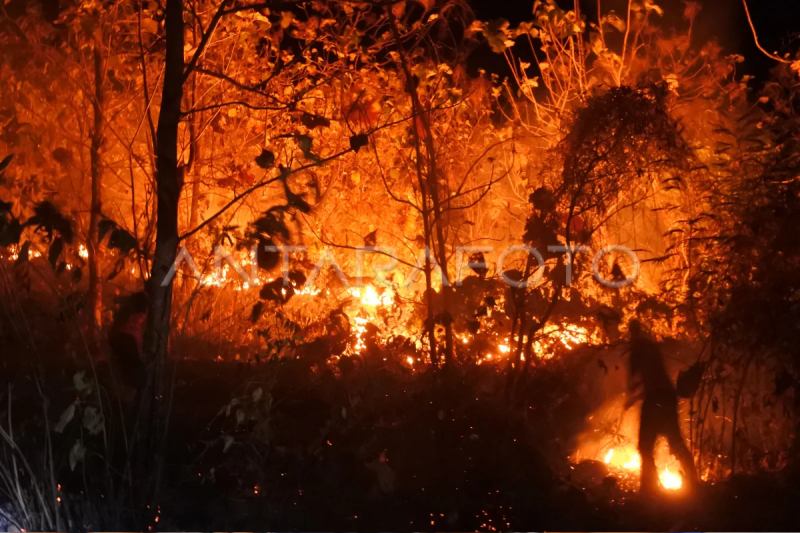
659	408
125	340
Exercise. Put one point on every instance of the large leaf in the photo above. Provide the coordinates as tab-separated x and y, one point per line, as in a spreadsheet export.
80	382
271	225
304	142
267	259
103	227
92	420
266	159
76	455
543	199
613	20
497	35
62	155
357	142
65	418
313	121
122	241
296	201
47	218
275	291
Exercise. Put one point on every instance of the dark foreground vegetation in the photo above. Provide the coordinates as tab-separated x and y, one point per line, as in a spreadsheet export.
286	448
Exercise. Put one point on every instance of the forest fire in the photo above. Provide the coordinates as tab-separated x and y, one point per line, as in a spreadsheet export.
399	264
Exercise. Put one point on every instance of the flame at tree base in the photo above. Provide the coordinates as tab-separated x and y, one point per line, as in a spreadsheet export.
669	480
626	463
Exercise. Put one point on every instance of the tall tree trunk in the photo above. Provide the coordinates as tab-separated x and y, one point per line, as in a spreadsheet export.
190	169
194	146
434	228
438	224
194	210
194	119
92	242
168	184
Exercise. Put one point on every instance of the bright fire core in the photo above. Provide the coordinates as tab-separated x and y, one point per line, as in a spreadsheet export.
627	461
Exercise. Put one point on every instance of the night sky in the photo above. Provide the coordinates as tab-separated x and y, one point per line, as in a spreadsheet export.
777	22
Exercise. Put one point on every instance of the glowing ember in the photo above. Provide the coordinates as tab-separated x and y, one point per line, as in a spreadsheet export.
14	253
568	336
83	252
361	327
217	279
309	290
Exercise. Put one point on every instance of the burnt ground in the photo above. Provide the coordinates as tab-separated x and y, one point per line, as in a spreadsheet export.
380	450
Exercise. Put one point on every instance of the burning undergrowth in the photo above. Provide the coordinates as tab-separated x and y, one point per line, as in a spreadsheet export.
611	440
374	328
605	450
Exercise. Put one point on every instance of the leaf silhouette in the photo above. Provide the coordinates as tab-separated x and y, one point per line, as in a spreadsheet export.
103	227
62	156
304	142
65	418
272	225
122	241
295	200
358	141
314	121
371	239
267	259
266	159
76	455
275	291
47	218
